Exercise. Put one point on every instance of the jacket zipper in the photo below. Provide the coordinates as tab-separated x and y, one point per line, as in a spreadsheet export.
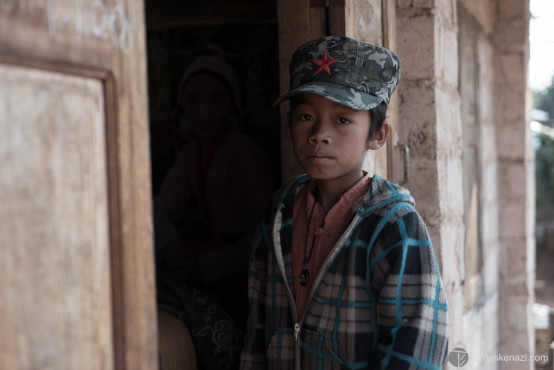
298	324
281	264
292	302
296	331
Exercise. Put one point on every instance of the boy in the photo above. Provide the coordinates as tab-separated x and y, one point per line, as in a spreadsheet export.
343	273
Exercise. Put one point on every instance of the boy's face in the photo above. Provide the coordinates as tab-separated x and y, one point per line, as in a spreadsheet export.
329	140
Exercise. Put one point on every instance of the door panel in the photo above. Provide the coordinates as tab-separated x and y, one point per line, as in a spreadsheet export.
55	236
76	258
299	21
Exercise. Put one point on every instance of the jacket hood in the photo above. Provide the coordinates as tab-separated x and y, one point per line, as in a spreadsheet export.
381	193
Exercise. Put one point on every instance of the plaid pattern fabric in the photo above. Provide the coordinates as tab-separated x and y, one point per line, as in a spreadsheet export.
378	303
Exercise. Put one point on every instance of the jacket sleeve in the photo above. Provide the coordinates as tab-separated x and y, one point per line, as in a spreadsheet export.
253	353
411	302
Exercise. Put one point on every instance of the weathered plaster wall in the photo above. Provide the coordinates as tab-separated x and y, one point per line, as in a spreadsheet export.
489	306
429	121
516	181
480	334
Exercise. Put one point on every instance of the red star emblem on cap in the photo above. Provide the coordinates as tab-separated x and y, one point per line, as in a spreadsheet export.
323	64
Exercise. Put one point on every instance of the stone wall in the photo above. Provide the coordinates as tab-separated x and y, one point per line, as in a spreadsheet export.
430	123
487	259
516	178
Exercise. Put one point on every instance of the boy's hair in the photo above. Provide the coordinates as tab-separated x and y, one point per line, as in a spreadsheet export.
377	115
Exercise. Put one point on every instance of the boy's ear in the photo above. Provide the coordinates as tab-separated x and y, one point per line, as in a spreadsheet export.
379	137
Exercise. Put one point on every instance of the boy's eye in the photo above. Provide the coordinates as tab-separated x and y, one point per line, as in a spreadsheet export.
343	121
304	117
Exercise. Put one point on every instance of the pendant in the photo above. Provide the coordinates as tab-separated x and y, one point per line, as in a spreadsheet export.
304	277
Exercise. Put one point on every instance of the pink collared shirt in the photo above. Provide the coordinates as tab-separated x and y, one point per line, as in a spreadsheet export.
325	228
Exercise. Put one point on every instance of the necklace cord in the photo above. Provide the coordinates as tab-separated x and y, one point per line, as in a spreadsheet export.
306	256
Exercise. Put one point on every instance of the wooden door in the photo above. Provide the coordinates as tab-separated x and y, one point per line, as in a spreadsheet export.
76	269
370	21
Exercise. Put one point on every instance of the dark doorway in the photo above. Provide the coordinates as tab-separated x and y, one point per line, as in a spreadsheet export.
209	187
247	31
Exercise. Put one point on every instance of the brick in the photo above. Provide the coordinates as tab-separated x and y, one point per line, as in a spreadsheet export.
512	181
404	3
512	9
510	142
415	44
512	221
449	125
447	49
483	11
423	3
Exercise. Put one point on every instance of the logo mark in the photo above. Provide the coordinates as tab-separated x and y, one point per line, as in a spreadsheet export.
458	357
323	64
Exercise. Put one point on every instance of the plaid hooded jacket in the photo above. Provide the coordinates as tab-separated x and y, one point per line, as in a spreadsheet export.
377	303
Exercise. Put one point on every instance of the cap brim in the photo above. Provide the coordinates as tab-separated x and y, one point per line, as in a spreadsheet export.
343	95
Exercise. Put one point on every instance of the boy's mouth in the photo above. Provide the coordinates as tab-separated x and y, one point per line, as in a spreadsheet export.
318	156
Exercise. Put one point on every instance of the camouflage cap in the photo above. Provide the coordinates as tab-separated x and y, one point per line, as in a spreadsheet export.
352	73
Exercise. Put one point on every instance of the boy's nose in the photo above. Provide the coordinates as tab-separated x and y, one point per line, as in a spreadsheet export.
320	134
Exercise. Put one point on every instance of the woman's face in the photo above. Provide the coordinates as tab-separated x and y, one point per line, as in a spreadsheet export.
207	104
